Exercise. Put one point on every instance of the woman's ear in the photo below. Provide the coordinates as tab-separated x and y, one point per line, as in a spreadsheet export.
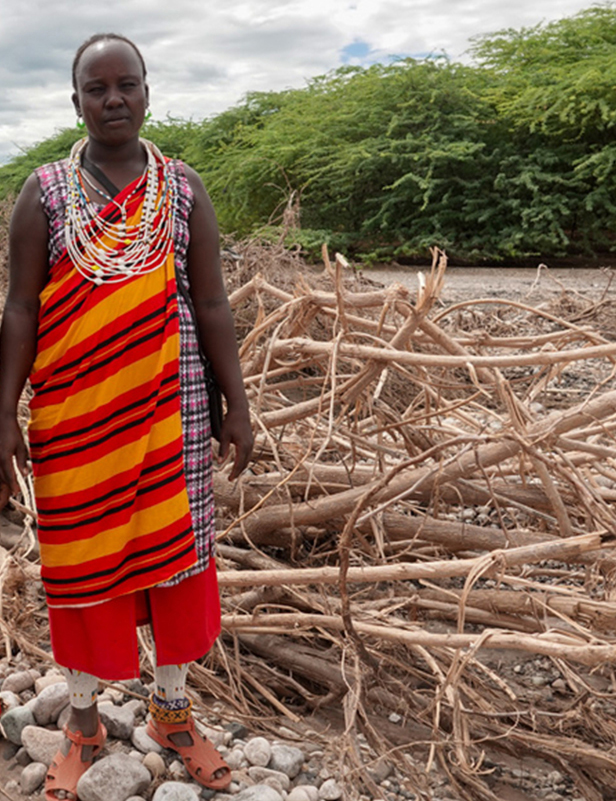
75	100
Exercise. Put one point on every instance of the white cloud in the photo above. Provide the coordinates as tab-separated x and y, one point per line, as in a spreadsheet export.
203	57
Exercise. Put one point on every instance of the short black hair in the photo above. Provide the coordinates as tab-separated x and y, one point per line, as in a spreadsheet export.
104	37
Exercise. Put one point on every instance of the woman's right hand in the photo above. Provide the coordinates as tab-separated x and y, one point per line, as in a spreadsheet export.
12	444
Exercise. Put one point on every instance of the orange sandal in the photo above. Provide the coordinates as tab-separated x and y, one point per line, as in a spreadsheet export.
201	758
66	770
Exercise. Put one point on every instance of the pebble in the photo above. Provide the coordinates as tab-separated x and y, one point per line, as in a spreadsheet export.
330	790
143	742
177	770
137	707
118	720
19	681
258	751
9	699
113	777
48	679
175	791
287	759
260	792
154	763
32	776
41	744
15	720
22	757
235	759
261	775
304	792
50	702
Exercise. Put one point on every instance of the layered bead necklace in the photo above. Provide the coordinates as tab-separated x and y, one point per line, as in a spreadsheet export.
106	251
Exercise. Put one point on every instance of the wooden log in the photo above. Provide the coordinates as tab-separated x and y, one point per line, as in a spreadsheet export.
286	347
559	646
564	550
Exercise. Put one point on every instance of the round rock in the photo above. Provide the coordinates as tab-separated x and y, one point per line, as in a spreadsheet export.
263	775
330	790
287	759
143	742
50	703
154	763
15	720
41	744
304	792
114	777
258	751
118	720
175	791
259	792
32	777
19	681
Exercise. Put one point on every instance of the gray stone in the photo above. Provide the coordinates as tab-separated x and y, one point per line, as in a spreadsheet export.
217	737
22	757
118	720
143	742
235	759
304	792
330	790
177	770
287	759
137	707
15	720
258	751
32	777
50	703
9	699
63	717
136	798
114	777
9	750
261	775
41	744
175	791
46	680
19	681
260	792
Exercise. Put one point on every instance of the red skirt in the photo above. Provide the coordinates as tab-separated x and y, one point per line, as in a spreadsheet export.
102	639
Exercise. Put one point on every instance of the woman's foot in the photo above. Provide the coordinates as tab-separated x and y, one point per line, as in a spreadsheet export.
85	737
199	755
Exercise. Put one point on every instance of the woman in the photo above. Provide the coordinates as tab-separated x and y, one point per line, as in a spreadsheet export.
100	246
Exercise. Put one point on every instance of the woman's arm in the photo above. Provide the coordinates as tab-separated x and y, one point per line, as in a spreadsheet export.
27	275
216	328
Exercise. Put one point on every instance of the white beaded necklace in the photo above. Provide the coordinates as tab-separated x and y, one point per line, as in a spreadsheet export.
105	251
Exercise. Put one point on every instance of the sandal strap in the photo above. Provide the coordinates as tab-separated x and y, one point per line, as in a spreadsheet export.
78	738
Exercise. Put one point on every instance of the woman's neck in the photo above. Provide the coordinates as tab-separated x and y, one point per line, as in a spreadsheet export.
131	154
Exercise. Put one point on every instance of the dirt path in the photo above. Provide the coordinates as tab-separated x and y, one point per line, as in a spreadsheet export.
527	285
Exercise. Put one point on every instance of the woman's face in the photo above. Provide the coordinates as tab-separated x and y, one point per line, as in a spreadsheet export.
112	95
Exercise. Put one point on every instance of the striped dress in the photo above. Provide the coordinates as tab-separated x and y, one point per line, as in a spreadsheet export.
73	528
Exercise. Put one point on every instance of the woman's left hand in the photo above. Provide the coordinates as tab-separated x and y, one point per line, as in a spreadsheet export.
236	431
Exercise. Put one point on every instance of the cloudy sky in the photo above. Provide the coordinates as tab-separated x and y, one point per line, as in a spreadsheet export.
203	56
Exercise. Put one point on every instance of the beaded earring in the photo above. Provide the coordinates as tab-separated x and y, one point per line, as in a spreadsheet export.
80	123
148	116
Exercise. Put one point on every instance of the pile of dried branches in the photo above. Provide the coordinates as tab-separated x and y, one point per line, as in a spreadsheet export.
429	483
431	501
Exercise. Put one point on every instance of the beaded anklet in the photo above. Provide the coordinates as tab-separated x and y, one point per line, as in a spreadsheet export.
176	711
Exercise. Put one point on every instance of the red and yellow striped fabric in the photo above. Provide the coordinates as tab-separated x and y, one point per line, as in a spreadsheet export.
106	433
